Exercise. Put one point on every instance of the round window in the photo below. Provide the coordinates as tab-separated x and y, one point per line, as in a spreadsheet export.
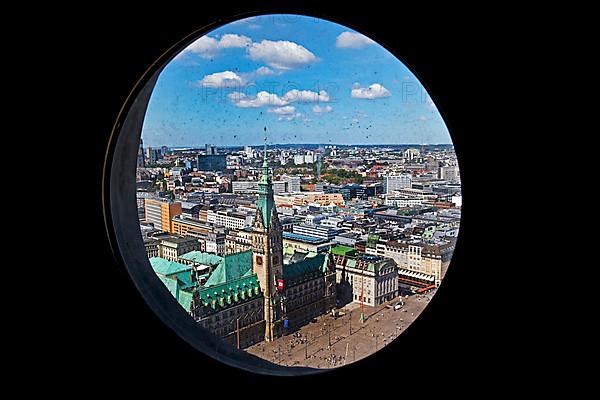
303	139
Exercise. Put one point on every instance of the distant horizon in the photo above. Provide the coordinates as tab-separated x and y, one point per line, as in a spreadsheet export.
302	144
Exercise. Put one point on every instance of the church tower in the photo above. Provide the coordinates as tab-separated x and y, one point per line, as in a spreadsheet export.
267	249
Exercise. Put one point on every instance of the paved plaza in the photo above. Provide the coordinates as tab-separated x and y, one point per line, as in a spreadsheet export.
330	341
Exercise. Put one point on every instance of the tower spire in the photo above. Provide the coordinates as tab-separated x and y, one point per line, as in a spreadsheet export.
265	150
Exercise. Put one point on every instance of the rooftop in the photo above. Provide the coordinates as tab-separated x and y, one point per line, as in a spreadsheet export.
165	267
343	250
303	238
174	238
230	293
199	257
306	269
232	267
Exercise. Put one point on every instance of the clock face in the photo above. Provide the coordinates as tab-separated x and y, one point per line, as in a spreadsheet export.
259	260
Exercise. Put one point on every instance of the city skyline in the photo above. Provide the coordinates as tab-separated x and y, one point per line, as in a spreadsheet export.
306	78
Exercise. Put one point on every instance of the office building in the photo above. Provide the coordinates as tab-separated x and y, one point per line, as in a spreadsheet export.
449	173
211	150
190	210
244	186
394	182
160	212
170	247
214	162
293	184
317	231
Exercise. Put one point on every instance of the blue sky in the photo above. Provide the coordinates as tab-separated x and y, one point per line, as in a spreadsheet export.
306	79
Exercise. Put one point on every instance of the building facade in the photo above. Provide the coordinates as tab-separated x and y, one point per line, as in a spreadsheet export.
229	219
420	262
317	231
371	280
160	212
151	246
394	182
213	162
170	247
238	240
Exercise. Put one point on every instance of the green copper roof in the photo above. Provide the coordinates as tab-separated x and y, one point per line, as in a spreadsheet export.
201	258
233	266
165	267
185	299
181	287
303	270
266	203
343	251
230	293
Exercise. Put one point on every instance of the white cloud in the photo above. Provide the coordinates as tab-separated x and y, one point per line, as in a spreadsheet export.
230	40
352	40
286	113
306	96
264	98
206	47
321	110
374	91
286	110
289	117
281	54
222	79
261	99
262	71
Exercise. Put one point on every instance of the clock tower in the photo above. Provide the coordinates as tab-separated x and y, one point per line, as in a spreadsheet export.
267	253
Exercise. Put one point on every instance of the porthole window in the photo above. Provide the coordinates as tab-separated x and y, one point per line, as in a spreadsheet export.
272	121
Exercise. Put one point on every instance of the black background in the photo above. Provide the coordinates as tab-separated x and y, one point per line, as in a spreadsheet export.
117	339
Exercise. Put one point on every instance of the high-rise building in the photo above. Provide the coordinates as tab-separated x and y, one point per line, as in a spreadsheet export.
211	150
449	173
397	181
299	159
212	162
141	162
152	155
412	153
293	184
160	212
248	151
